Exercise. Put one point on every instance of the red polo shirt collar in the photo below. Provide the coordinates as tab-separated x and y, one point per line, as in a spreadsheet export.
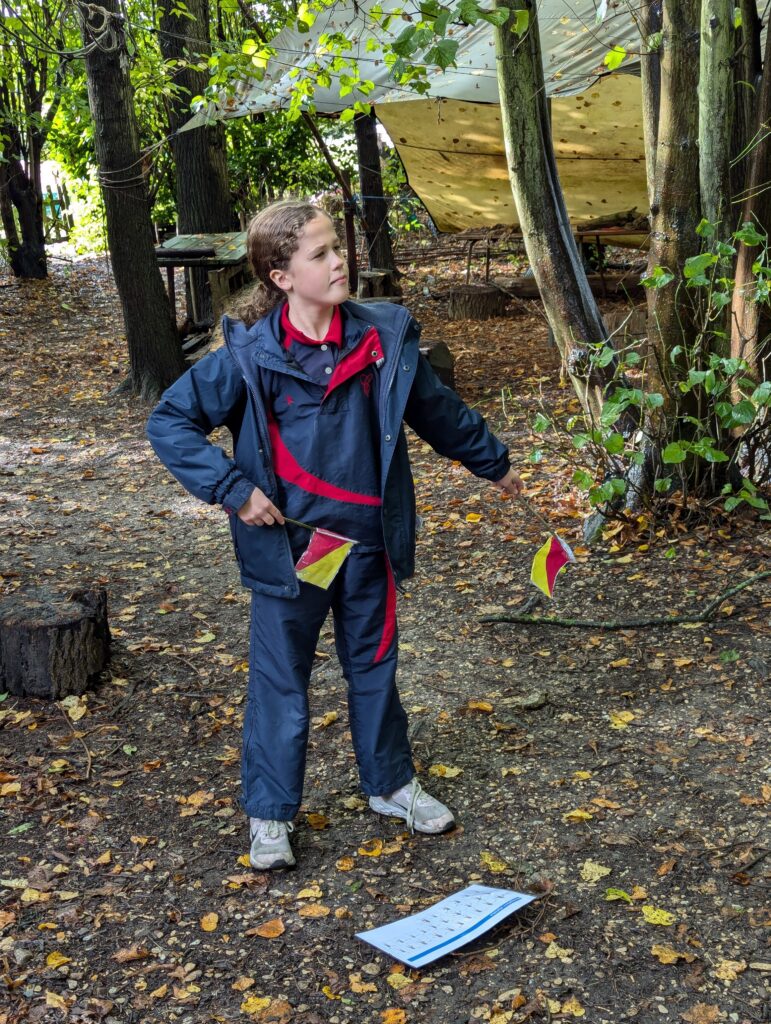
334	335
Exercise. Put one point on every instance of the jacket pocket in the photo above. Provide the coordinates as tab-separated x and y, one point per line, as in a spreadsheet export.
263	555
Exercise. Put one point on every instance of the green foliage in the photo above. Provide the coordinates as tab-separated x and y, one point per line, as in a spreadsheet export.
706	432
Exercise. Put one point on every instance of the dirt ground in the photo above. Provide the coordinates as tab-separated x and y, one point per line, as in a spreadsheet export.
622	775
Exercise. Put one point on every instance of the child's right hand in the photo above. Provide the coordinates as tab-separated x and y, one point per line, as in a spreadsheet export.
259	510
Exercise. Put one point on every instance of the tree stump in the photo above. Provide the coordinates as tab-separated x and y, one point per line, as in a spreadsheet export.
52	645
442	361
475	302
377	284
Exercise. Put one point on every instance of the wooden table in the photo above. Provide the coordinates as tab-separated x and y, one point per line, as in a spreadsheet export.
222	255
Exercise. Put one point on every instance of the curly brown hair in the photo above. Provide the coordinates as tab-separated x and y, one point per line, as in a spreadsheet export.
272	238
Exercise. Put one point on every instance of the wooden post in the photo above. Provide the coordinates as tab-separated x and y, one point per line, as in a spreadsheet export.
349	210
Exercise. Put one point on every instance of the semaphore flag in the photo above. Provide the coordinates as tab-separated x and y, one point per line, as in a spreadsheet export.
548	562
321	560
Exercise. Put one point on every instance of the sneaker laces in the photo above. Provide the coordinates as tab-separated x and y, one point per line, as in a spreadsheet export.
271	828
415	790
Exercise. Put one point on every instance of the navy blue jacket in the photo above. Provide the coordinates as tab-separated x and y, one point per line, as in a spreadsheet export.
223	390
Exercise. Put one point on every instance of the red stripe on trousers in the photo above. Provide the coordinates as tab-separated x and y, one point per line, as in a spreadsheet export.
288	468
389	626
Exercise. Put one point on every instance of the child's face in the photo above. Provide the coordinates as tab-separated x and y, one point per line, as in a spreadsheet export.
317	274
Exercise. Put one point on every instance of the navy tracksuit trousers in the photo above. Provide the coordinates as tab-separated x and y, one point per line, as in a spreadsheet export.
283	638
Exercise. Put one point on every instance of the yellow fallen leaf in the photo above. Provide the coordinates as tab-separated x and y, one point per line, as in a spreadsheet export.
160	992
56	1001
445	771
578	815
492	863
242	984
655	916
398	981
620	663
394	1016
312	892
30	895
572	1006
56	959
205	638
329	993
729	970
620	719
344	864
10	788
269	930
254	1004
244	861
591	871
371	848
682	662
582	776
314	910
480	705
104	858
473	517
325	720
665	954
617	894
209	922
318	821
639	892
555	952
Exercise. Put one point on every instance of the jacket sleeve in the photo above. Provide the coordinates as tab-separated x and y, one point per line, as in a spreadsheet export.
438	415
208	396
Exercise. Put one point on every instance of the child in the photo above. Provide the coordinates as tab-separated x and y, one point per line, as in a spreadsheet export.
314	389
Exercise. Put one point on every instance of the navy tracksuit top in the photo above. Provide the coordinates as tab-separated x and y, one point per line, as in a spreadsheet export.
324	432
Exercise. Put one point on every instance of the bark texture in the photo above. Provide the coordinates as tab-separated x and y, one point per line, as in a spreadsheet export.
568	301
374	207
203	192
154	350
675	211
749	322
716	107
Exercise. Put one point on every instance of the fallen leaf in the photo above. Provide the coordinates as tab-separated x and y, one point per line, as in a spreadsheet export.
56	959
492	863
617	894
398	981
577	816
480	705
393	1016
729	970
555	952
655	916
345	864
209	922
620	719
573	1007
312	892
371	848
254	1004
318	821
242	984
702	1013
314	910
591	871
444	771
269	930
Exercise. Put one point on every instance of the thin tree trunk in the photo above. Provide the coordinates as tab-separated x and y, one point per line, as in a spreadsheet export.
748	325
716	108
650	74
373	202
203	192
675	210
747	69
568	301
154	351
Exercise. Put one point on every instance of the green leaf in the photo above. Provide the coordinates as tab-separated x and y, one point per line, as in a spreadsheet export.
662	485
498	17
696	265
660	278
443	54
541	423
749	235
720	299
674	453
617	894
347	115
582	479
614	444
705	228
654	400
18	830
614	58
743	412
468	11
737	17
655	39
581	440
535	456
442	22
521	23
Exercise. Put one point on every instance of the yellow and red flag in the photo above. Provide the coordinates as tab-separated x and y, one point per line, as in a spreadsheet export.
321	560
548	562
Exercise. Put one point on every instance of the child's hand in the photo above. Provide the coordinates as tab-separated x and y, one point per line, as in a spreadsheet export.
511	484
259	510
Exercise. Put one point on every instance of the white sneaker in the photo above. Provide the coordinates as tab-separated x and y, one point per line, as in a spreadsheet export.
420	810
270	844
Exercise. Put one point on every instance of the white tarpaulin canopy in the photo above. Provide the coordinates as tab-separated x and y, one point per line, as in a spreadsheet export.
450	140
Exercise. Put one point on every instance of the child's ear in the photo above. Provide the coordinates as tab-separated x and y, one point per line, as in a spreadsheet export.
281	280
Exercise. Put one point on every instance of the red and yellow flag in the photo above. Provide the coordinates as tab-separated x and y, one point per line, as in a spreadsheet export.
548	562
321	560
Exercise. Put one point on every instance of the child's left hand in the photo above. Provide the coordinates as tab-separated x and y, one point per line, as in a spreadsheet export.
511	484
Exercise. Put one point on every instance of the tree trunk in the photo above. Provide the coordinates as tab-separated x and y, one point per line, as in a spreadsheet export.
475	302
26	245
373	203
650	74
675	210
747	68
203	192
570	307
154	350
716	109
748	324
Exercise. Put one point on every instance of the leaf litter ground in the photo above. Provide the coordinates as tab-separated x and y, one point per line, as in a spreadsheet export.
623	775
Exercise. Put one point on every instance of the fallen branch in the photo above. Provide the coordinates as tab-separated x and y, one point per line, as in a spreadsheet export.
673	620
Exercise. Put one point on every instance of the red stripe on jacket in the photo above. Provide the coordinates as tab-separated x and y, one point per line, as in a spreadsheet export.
288	468
368	352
